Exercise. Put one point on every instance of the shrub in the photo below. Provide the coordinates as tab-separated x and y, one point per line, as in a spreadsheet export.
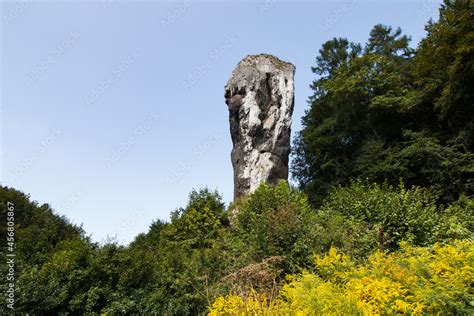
324	229
199	222
270	220
457	220
414	280
396	213
253	304
278	221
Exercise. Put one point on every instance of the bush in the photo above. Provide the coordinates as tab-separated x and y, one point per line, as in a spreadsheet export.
253	304
270	220
185	255
199	222
415	280
457	220
326	229
396	213
278	221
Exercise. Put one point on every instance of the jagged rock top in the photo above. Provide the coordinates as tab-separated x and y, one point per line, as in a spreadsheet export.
246	69
262	60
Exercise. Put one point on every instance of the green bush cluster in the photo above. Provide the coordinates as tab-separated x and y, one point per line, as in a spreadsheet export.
206	250
400	213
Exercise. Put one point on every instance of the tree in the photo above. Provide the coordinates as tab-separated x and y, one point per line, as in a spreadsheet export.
391	112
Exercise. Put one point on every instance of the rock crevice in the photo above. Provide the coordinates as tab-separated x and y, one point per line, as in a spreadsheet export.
260	99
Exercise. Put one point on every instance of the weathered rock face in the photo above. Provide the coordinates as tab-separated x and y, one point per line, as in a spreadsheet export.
260	98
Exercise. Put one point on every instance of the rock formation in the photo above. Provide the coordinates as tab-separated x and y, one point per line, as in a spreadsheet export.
260	98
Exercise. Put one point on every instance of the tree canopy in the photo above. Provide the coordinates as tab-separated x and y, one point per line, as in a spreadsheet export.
387	112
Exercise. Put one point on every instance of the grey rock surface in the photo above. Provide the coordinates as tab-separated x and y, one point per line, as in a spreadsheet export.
260	98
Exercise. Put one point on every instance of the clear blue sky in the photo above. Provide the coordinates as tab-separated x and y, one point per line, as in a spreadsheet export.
113	111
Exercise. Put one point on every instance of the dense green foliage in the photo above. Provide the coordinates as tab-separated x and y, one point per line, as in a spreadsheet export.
165	271
398	213
179	267
386	111
385	168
